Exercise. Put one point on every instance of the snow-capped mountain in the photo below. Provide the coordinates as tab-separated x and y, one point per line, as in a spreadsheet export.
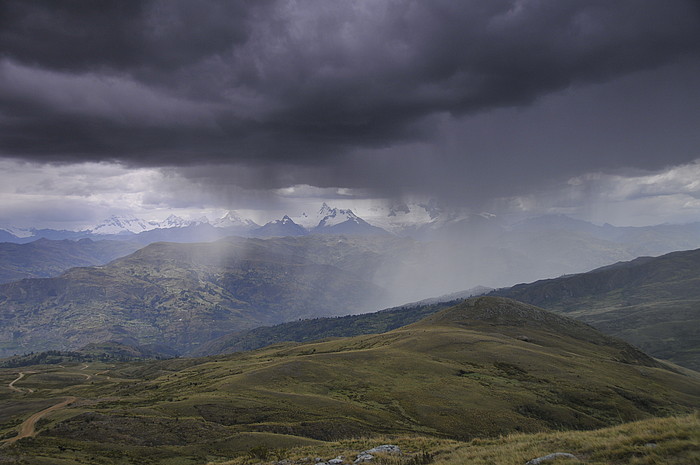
427	220
343	221
233	220
335	216
121	225
17	232
132	225
284	227
174	221
6	236
403	218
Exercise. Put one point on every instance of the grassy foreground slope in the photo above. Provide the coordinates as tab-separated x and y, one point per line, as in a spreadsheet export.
483	368
656	441
653	303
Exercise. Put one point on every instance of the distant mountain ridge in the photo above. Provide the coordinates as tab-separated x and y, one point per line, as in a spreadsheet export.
45	258
652	302
181	295
425	222
330	221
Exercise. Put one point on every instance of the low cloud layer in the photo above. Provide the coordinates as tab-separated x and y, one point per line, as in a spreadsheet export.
462	100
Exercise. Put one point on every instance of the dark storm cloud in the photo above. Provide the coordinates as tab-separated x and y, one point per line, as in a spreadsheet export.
297	85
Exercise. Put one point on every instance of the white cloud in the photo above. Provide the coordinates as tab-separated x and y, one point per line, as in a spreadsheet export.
71	196
670	195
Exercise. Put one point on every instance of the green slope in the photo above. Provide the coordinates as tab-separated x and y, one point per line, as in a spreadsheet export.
483	368
181	295
321	328
653	303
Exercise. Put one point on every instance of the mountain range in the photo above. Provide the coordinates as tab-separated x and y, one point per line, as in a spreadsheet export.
532	249
327	221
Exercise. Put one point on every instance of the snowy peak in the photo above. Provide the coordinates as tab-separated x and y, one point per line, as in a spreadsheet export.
285	220
122	225
132	225
334	216
233	220
174	221
284	227
343	221
17	232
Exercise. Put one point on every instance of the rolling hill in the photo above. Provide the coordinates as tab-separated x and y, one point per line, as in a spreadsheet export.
483	368
653	303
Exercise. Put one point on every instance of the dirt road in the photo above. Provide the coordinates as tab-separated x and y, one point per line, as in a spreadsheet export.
28	427
16	389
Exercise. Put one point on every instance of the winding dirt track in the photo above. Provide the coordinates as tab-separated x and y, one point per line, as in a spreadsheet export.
21	375
28	427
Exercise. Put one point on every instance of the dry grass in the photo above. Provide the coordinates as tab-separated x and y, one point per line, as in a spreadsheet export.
656	441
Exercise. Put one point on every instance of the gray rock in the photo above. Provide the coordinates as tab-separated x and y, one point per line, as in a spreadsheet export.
384	449
556	455
363	457
336	461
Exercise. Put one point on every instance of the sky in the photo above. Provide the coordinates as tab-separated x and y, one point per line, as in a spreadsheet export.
521	107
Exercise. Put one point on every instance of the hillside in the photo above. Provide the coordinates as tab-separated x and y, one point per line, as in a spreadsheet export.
45	258
653	303
320	328
483	368
180	295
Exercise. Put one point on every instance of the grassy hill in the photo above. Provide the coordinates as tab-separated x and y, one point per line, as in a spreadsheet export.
480	369
653	303
180	295
44	258
109	351
321	328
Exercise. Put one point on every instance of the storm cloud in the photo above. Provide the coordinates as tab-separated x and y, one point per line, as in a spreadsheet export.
363	94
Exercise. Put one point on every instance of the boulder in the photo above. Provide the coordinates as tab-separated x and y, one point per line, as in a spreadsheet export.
556	455
362	457
384	449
